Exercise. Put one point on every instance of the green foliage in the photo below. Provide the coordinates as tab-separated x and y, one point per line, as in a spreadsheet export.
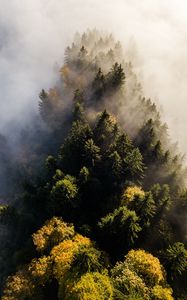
64	193
91	153
133	165
116	76
132	161
115	165
119	229
71	155
123	145
176	259
84	175
104	130
58	175
8	215
51	163
87	260
144	208
162	196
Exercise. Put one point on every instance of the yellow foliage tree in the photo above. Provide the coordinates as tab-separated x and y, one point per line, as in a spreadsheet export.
161	293
28	283
40	270
140	275
52	233
127	282
63	254
19	287
91	286
130	193
146	266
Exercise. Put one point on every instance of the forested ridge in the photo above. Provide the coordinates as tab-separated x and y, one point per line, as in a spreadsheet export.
94	200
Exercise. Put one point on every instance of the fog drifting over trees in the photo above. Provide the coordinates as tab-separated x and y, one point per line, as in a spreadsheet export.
33	35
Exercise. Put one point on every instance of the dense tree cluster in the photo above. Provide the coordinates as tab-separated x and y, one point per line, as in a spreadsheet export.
73	268
101	212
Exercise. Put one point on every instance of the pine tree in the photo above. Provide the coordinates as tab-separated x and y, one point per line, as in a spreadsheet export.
119	230
175	258
116	77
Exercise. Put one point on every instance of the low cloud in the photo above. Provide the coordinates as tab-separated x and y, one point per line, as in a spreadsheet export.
34	33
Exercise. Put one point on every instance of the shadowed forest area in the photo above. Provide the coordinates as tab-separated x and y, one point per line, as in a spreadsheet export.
93	199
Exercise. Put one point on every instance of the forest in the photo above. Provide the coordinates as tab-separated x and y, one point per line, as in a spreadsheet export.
94	197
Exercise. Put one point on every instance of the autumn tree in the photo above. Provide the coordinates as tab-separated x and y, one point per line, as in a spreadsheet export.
142	274
52	233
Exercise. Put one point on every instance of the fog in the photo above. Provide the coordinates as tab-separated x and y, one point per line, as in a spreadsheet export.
34	33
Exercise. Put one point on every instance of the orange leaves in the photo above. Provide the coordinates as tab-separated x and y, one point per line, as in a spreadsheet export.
63	254
82	240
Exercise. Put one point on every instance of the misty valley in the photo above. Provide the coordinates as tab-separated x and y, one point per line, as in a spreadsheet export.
93	197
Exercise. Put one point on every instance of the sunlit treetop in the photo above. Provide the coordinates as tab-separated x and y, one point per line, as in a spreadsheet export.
52	233
130	192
